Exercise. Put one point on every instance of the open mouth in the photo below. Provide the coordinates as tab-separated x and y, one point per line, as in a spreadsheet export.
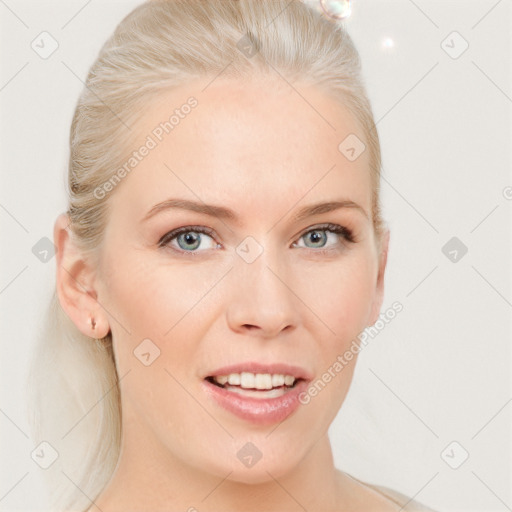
264	396
258	385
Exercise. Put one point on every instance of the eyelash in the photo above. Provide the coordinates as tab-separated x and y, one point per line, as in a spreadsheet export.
345	232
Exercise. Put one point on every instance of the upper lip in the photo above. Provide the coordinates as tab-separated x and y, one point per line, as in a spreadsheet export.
254	367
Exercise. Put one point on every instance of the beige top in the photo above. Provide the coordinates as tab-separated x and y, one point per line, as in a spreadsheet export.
400	499
405	503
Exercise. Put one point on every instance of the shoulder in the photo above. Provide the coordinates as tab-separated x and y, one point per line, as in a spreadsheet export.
378	497
406	503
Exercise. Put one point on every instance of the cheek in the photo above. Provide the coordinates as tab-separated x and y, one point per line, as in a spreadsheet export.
343	292
160	302
342	296
150	295
139	294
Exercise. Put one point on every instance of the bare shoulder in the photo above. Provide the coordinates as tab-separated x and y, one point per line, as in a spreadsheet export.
383	499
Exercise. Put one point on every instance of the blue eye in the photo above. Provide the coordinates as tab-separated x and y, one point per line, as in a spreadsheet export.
318	237
195	239
189	239
321	235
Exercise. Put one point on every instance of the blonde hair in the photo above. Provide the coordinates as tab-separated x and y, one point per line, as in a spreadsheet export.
161	44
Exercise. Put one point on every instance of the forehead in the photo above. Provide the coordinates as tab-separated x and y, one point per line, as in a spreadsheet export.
247	142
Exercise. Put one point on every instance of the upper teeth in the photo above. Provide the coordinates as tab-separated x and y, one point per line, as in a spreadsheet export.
255	380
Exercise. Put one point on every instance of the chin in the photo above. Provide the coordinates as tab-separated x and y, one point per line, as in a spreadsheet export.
259	474
259	470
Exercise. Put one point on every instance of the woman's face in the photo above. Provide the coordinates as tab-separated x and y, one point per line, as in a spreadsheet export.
254	285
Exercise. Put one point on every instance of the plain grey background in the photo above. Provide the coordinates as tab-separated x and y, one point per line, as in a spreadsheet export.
434	385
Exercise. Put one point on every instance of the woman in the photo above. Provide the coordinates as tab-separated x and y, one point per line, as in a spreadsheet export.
223	244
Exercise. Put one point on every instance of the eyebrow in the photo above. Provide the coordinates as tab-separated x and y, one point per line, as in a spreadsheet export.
225	213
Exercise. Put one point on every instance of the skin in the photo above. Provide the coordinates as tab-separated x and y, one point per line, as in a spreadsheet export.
258	148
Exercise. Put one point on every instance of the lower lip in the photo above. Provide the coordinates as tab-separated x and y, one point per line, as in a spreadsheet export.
262	411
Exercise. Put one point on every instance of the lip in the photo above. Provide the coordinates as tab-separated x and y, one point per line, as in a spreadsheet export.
253	367
260	411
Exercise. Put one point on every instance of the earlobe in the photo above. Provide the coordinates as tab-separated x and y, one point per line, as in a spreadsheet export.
75	284
379	287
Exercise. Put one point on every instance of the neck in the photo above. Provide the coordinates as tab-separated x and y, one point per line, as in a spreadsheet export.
148	477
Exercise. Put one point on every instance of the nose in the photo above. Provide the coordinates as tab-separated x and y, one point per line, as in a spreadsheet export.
262	302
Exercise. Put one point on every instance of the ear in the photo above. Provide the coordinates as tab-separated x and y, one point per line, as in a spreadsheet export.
75	284
379	287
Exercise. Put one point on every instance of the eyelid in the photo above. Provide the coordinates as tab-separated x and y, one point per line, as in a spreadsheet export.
333	228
